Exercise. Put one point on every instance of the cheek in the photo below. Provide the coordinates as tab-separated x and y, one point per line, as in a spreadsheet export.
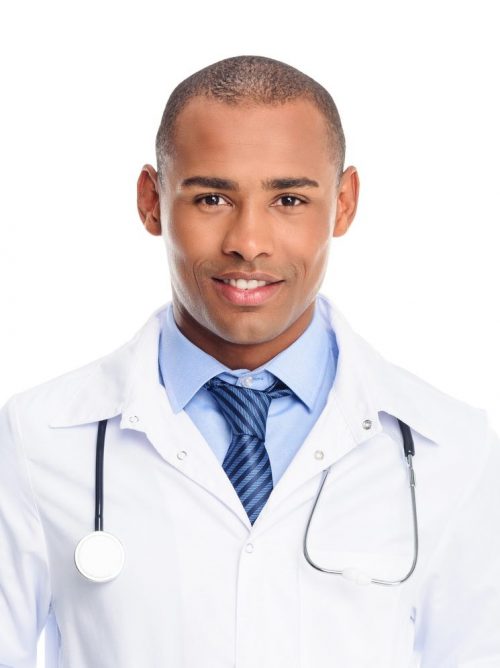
188	236
180	258
185	246
178	235
309	251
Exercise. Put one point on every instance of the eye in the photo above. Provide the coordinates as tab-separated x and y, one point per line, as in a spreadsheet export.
211	200
290	200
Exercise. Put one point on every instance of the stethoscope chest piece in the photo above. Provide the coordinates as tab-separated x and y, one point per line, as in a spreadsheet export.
99	556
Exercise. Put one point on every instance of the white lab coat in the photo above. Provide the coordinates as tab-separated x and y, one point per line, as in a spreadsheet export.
201	587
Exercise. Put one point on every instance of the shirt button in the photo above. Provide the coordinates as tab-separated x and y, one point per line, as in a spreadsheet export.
247	381
367	424
182	454
133	419
249	548
319	454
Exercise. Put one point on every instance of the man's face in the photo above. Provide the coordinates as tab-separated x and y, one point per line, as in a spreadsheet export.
248	208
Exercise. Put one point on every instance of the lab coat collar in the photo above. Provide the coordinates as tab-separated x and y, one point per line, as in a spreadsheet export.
368	384
127	382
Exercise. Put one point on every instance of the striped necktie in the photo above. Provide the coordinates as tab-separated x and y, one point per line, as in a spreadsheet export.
246	462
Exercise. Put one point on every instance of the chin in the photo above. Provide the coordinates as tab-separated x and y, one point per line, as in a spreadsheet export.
247	335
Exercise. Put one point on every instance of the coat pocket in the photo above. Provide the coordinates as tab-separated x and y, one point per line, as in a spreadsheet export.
347	621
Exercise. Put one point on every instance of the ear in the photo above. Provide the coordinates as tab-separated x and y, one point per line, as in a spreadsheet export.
347	201
148	199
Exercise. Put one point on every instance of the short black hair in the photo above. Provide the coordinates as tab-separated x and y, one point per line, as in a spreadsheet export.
249	79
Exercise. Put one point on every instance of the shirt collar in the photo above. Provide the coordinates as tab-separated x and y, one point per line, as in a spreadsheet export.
302	365
185	368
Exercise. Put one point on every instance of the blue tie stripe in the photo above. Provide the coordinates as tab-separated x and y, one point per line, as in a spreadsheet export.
259	501
252	487
246	462
250	472
239	414
256	414
247	407
248	454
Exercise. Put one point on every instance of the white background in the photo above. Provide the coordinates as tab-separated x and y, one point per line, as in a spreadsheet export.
416	83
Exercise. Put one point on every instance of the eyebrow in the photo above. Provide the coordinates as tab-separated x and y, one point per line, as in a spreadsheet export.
209	182
289	182
268	184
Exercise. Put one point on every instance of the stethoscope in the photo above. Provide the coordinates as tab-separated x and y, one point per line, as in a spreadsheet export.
99	556
355	574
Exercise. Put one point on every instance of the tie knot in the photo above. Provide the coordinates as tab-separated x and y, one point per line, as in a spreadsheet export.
246	409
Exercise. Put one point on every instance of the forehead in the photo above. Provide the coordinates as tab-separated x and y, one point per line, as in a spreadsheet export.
249	138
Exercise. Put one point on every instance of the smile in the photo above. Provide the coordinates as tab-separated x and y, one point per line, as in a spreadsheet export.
247	292
242	284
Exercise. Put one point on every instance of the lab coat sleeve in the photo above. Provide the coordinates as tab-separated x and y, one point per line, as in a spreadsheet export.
458	619
24	575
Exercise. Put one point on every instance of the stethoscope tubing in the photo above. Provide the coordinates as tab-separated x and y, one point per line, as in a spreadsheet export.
99	476
99	556
409	452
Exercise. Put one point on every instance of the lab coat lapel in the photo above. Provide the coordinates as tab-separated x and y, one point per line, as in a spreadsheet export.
126	384
349	418
365	385
173	435
328	441
180	443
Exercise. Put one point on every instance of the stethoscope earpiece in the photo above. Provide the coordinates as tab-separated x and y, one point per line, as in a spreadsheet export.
99	556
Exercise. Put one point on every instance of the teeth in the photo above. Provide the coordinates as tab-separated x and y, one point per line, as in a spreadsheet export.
242	284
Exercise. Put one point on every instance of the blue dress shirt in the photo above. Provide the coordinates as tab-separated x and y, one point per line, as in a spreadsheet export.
307	366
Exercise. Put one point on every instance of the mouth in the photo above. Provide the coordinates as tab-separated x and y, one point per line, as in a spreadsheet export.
242	281
249	290
243	284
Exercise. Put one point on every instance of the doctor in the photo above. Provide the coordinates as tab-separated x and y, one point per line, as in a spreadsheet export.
222	415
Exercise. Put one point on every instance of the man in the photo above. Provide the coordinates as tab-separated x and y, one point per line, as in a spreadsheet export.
221	417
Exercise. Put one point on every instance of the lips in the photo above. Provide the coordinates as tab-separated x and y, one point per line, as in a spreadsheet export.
254	276
247	289
243	284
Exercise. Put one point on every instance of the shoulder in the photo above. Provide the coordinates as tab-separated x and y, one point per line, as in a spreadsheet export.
434	414
90	392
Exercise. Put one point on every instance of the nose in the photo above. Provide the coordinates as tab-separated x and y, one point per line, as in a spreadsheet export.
249	233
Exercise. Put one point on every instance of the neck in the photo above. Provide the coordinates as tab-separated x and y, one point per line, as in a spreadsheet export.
236	355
